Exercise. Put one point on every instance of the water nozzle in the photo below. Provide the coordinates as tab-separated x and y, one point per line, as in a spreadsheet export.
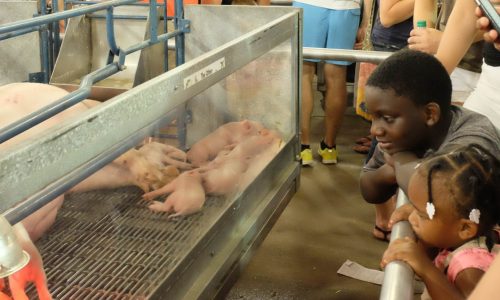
12	257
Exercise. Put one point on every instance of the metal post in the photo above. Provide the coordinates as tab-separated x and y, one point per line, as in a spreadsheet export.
398	275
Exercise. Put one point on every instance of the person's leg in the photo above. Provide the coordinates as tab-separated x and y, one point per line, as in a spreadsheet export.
307	102
335	101
342	29
315	30
383	213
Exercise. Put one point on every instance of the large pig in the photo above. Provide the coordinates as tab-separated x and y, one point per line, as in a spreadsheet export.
132	168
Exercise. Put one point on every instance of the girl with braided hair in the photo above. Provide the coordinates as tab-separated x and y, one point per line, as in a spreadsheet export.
455	205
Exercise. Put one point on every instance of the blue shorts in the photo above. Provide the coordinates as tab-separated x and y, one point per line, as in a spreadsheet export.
329	28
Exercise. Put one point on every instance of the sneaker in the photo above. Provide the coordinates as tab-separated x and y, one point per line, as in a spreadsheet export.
328	155
307	157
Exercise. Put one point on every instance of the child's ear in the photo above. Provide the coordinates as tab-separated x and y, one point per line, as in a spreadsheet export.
468	229
432	113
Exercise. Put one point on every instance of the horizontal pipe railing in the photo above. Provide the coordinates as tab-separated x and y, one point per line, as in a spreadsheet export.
45	19
9	35
343	54
398	275
54	108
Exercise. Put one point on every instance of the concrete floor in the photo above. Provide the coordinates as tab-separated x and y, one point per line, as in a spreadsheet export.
326	223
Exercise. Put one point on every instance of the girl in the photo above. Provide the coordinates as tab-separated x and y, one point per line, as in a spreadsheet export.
455	203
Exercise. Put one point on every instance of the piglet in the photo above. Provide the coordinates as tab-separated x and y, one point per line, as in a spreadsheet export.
143	172
162	155
253	145
230	133
186	195
222	176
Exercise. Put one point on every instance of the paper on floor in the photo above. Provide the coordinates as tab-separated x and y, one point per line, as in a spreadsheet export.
357	271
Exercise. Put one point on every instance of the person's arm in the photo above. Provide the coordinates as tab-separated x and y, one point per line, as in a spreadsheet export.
467	280
395	11
425	10
488	287
404	166
379	185
458	35
414	254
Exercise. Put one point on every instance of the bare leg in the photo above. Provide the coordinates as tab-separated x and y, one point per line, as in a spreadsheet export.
383	213
335	101
307	102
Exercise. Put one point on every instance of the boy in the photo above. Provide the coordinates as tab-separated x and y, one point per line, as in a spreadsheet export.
409	98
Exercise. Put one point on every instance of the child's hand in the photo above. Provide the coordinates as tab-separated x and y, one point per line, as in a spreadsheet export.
401	214
409	251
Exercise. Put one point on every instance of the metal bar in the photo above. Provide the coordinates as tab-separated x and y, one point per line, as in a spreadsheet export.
110	32
95	2
67	101
179	39
160	38
44	45
347	55
398	275
61	15
19	32
153	22
146	43
165	44
57	37
117	17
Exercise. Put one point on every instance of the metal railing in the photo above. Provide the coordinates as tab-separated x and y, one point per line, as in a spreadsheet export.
398	275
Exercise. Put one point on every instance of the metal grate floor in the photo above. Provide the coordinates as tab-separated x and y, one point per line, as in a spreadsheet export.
109	245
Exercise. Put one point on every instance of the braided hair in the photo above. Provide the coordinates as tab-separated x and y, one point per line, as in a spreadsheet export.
473	178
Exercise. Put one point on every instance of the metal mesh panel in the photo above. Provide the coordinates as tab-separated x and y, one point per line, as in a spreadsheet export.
108	245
